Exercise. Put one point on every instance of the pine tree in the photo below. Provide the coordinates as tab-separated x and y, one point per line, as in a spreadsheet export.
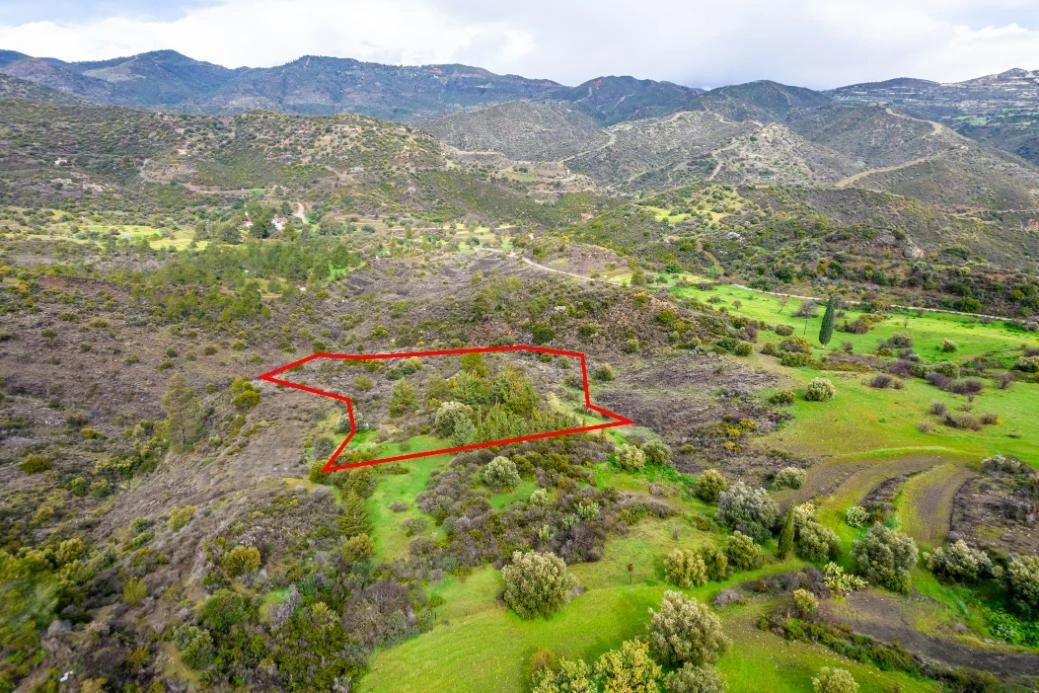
786	535
183	414
826	329
354	520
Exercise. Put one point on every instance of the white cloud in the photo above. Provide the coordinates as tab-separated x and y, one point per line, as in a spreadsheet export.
817	43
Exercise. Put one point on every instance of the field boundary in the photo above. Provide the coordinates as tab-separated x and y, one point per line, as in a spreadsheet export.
331	466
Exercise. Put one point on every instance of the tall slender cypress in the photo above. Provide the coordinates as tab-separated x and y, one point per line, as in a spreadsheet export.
826	329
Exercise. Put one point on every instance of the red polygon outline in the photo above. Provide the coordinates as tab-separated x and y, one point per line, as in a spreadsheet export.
330	466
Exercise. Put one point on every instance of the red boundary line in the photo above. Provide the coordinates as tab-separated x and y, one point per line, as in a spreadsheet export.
331	466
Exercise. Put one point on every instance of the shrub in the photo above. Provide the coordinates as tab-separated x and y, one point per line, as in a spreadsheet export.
959	562
134	590
710	485
180	517
501	473
805	602
839	582
195	645
900	340
241	560
603	373
743	553
784	330
1023	583
820	390
782	397
572	676
789	477
812	540
630	457
685	569
856	516
796	359
450	416
884	557
538	496
743	349
948	346
628	668
536	584
938	408
685	630
834	680
693	679
657	452
946	368
357	548
748	509
34	464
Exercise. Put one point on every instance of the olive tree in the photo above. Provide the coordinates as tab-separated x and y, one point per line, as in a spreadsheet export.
885	557
834	680
959	562
685	630
501	473
536	584
749	509
1023	581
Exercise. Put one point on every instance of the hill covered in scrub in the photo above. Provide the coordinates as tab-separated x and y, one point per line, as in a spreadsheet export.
820	312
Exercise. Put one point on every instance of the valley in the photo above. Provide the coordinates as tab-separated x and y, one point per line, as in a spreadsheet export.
819	309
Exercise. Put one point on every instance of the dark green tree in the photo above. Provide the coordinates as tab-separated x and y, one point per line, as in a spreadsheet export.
826	329
183	413
786	535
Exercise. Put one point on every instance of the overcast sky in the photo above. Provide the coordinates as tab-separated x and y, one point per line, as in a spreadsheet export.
814	43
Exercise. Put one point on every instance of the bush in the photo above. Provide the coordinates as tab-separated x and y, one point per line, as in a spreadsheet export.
536	584
856	516
692	679
357	548
805	602
743	553
813	541
685	569
241	560
784	330
630	457
572	676
839	582
820	390
796	359
938	408
789	477
743	349
657	452
34	464
501	473
603	373
959	562
1023	583
884	557
710	484
834	680
782	397
195	645
716	561
180	517
134	590
685	630
628	668
948	346
748	509
452	418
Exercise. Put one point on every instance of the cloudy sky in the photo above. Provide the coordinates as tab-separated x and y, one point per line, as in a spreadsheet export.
815	43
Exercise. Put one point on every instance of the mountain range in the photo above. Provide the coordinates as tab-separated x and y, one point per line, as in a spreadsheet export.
967	145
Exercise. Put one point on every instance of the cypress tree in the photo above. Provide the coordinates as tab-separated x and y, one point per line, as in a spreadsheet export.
826	330
786	535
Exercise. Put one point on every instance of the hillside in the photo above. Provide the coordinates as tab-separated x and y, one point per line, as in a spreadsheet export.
522	130
1001	110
